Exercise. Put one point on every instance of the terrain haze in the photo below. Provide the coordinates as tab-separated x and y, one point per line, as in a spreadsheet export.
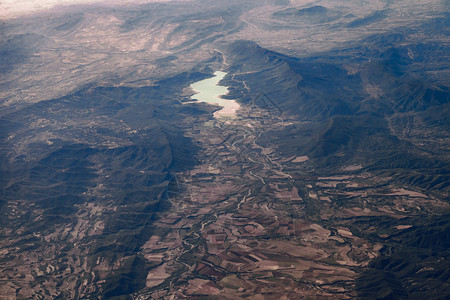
330	180
15	8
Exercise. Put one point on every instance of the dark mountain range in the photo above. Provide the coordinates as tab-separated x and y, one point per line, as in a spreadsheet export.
350	113
414	260
121	154
360	117
331	180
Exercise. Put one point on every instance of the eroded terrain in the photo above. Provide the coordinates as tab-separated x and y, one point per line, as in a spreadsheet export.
251	224
332	180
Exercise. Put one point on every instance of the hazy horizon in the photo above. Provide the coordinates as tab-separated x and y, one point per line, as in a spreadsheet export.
17	8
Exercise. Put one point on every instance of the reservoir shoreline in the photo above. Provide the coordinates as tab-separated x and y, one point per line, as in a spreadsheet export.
209	91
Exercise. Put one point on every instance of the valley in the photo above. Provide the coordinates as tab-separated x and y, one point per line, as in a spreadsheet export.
248	223
321	171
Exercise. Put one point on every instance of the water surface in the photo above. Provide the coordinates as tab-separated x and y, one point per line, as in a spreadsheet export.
209	91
